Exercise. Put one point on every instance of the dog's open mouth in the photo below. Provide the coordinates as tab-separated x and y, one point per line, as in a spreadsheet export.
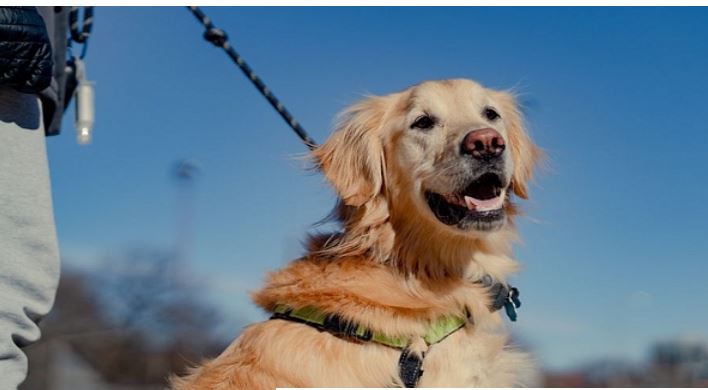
479	205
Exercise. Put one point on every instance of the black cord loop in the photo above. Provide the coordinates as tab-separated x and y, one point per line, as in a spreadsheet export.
80	36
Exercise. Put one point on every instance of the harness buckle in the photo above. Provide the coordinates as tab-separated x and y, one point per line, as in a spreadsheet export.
410	367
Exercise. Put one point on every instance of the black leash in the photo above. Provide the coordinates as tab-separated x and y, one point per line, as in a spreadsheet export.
219	38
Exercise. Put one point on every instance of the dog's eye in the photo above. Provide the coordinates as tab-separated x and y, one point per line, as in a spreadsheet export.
423	122
490	114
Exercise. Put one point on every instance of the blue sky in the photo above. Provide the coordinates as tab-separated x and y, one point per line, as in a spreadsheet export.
614	243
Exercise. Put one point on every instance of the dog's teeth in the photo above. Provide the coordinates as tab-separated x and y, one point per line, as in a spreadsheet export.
459	201
470	203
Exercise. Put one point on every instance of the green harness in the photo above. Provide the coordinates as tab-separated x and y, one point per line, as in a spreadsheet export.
438	330
410	363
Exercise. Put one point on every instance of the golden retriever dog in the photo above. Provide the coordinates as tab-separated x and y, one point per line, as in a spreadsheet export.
405	295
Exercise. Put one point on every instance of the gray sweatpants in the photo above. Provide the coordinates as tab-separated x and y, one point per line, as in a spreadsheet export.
29	256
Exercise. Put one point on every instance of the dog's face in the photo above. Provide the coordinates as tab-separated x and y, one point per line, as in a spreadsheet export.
452	146
452	149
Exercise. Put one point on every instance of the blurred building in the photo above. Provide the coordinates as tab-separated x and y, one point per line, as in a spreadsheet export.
679	363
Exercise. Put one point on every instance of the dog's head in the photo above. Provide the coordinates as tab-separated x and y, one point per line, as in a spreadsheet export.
447	153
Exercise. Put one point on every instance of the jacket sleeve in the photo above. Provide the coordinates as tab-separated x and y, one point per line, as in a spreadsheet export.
25	50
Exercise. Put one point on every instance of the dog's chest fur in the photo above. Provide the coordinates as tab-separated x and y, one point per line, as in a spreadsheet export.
283	353
475	357
370	294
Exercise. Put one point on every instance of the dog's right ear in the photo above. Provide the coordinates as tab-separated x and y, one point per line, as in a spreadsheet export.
352	158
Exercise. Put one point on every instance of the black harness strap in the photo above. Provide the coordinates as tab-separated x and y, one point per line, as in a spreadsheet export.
333	324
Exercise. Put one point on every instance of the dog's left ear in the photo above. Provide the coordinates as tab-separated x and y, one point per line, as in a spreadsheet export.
524	152
352	158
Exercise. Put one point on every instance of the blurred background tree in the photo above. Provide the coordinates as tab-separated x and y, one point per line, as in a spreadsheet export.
132	322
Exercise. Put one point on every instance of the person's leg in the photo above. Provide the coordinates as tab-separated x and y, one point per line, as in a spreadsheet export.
29	258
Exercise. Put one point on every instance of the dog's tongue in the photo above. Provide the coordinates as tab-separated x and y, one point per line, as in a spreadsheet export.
484	205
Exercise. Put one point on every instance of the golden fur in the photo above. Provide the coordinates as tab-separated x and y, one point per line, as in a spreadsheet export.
393	268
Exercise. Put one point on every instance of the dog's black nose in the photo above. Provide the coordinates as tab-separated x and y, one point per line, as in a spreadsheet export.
483	144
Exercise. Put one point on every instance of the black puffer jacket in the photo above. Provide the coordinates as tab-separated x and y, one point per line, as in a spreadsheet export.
33	56
25	51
